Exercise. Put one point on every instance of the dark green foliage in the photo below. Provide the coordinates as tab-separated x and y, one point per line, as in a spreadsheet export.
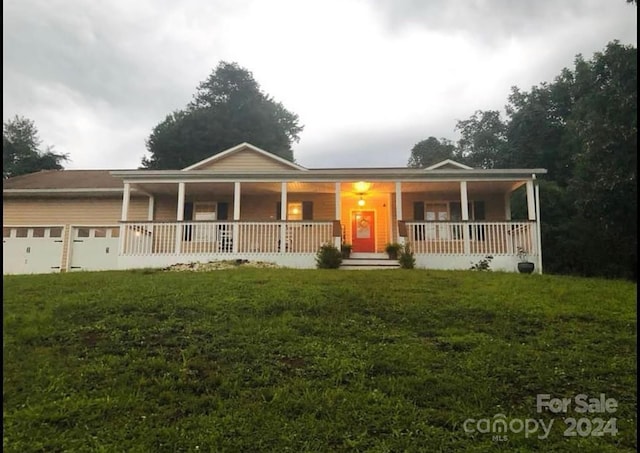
406	257
21	152
604	184
328	257
483	139
431	151
582	128
279	360
229	108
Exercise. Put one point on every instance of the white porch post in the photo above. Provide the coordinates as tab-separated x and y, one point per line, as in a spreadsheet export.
464	207
464	201
150	209
399	208
507	206
126	196
531	205
180	210
338	240
283	217
179	217
236	216
152	201
538	229
507	217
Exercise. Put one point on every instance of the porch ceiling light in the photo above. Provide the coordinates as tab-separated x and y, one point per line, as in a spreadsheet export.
361	202
362	187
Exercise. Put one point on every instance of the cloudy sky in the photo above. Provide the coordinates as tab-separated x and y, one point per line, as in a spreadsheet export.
368	78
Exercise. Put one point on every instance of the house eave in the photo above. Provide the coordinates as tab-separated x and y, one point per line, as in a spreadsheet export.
329	175
89	192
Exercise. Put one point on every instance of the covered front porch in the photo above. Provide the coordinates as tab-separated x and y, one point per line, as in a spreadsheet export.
448	224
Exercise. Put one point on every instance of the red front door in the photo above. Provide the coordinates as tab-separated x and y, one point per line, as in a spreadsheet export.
363	231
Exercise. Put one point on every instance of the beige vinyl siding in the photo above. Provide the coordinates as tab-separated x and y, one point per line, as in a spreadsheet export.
260	208
246	160
70	211
494	207
263	207
493	204
165	209
324	204
429	197
61	211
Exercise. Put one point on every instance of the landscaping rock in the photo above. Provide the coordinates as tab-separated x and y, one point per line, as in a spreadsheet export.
219	265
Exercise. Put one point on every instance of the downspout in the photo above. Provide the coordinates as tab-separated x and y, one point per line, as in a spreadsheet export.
538	229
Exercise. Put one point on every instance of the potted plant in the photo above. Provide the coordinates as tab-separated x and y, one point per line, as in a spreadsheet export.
345	249
392	250
524	266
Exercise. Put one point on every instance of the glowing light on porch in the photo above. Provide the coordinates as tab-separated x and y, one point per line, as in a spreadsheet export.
362	187
361	202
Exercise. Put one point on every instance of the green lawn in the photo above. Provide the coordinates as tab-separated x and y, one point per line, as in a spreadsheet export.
311	360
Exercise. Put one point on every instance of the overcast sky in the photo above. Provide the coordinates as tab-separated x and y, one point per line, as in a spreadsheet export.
368	79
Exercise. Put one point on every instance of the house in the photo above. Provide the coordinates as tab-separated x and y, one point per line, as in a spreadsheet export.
246	203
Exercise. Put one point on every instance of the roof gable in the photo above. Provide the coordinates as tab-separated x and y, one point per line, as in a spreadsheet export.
244	157
449	164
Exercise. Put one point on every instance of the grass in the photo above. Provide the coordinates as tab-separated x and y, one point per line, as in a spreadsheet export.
310	360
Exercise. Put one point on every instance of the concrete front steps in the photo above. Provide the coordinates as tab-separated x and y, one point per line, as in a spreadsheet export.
369	261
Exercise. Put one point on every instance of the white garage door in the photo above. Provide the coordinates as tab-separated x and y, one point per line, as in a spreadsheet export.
94	248
31	250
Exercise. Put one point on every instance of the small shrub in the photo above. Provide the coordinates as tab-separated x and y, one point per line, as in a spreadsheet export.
406	258
523	255
483	265
328	257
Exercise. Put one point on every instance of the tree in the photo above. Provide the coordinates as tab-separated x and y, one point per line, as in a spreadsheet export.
21	152
536	129
582	127
604	184
483	139
227	109
431	151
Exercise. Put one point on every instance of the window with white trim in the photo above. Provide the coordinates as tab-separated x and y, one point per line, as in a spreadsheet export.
204	211
294	211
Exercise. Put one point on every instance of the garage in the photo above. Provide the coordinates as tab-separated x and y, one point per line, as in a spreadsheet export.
94	248
32	250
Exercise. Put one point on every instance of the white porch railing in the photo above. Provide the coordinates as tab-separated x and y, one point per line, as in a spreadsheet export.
471	238
225	238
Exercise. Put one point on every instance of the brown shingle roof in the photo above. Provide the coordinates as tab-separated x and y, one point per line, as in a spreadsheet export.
64	179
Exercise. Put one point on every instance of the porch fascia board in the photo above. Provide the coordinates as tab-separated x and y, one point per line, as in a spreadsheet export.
516	178
70	192
325	175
